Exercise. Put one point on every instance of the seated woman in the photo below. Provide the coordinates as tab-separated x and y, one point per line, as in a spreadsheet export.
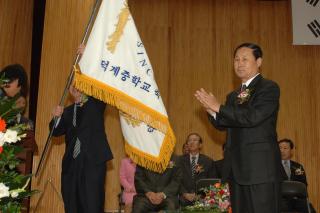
17	84
127	171
16	88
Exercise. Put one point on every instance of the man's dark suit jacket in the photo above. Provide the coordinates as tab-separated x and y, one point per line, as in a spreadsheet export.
90	130
168	182
297	173
188	184
252	154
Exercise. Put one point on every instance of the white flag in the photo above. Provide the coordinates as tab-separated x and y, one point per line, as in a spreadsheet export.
306	22
115	68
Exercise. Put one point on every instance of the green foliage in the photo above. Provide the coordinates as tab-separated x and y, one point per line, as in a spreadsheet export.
8	159
13	185
8	110
11	207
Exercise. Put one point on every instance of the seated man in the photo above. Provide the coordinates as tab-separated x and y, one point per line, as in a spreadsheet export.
157	191
194	166
293	171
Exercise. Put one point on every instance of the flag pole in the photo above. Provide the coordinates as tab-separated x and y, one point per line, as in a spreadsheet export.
66	89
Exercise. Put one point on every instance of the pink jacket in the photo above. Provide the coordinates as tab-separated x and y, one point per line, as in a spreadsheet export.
127	171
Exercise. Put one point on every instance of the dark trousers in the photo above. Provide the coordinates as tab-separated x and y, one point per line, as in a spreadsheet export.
141	204
82	186
259	198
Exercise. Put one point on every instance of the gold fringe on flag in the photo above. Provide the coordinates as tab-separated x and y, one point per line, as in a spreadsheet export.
120	100
138	111
157	164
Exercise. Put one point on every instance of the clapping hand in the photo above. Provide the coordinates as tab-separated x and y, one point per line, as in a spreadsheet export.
208	101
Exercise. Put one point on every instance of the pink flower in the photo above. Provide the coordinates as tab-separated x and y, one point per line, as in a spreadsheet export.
211	201
224	205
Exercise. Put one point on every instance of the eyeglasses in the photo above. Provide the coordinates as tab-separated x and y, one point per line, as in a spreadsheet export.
194	140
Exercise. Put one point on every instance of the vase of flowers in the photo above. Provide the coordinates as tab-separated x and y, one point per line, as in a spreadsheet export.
214	199
13	185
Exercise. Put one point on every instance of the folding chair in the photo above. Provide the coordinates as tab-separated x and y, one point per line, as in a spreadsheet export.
295	190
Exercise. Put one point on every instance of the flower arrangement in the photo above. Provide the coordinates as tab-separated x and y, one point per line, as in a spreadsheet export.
13	185
243	96
214	199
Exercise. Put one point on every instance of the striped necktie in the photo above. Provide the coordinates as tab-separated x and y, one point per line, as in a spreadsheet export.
77	146
193	165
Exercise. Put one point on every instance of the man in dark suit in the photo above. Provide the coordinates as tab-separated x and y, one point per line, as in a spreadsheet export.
293	171
87	150
194	166
157	191
290	169
252	156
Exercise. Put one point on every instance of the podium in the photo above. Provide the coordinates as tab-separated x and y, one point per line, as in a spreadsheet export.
26	157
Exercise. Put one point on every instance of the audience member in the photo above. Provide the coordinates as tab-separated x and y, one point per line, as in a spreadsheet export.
157	191
127	171
18	83
194	166
16	88
293	171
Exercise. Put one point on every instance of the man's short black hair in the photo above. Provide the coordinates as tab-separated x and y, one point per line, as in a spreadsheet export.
257	51
286	140
194	133
16	71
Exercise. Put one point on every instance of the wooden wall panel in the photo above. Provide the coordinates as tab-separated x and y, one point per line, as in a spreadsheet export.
16	33
190	44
